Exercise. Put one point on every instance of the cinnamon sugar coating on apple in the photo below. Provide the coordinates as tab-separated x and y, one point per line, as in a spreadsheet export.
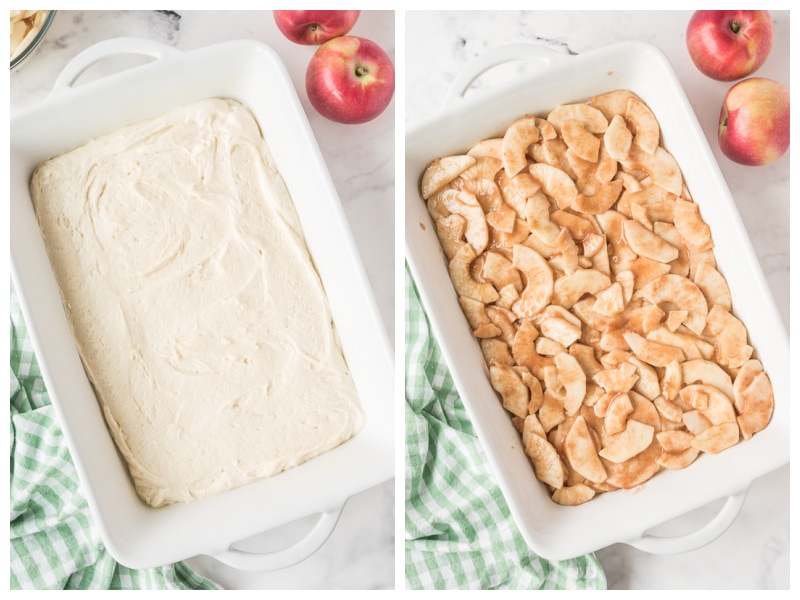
587	273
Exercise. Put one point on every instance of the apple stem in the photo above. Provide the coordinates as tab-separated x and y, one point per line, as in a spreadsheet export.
361	71
735	26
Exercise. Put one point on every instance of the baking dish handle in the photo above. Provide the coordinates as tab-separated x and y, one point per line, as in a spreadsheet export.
697	539
280	559
546	56
105	49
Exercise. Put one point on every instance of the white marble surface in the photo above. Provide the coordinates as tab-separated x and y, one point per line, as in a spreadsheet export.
360	554
754	552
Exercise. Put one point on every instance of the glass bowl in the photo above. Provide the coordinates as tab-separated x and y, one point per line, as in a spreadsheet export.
28	50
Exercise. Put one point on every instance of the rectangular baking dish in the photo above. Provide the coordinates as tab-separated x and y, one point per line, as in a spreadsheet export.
554	531
139	536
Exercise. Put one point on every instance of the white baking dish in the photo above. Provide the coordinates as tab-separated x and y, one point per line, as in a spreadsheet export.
554	531
139	536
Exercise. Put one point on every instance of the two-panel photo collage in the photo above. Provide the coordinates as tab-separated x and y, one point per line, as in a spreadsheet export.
399	299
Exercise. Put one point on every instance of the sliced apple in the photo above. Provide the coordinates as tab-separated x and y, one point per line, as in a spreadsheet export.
692	346
485	167
731	335
695	232
442	171
475	311
464	284
555	183
466	204
546	462
695	422
524	349
717	438
581	452
611	103
484	189
502	219
712	403
681	292
573	495
600	200
648	244
669	411
753	397
496	351
592	244
586	359
561	330
713	285
569	289
591	117
660	166
645	124
653	353
675	440
647	384
520	134
517	189
678	460
537	215
504	320
499	271
531	426
450	230
491	147
617	380
573	380
708	372
617	413
669	233
634	439
508	383
534	388
617	138
581	141
610	301
538	281
675	319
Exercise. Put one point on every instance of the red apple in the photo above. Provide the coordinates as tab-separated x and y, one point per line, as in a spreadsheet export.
729	44
350	80
314	27
754	122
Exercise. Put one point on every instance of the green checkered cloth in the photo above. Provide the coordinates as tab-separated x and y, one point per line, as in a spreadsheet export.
54	542
459	533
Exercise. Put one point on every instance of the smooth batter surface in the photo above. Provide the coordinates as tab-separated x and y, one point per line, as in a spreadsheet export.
195	306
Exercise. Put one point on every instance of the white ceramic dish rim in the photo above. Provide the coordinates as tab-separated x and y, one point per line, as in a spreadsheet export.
553	531
136	535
